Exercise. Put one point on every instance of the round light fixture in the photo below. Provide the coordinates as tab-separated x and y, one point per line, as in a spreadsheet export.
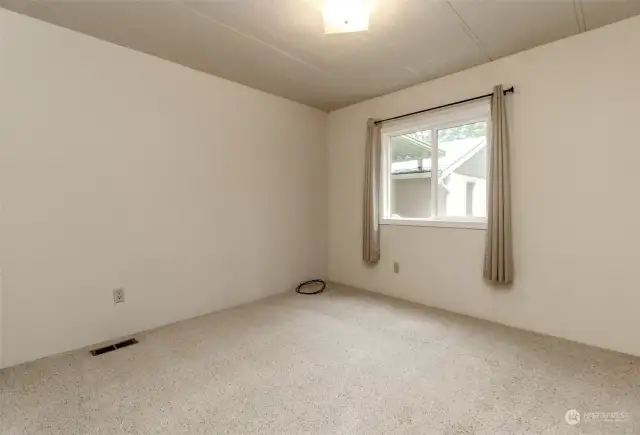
344	16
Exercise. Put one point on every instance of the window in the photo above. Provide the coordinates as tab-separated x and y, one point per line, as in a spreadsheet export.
434	169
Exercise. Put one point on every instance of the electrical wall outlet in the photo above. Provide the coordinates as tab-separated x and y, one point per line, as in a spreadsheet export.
396	267
118	295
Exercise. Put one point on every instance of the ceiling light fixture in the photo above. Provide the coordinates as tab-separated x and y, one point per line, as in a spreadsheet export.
344	16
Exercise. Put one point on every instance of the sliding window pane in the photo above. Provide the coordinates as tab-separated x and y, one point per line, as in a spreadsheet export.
462	170
410	178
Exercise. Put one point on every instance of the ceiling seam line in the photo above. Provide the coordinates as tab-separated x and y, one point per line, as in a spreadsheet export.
249	37
469	31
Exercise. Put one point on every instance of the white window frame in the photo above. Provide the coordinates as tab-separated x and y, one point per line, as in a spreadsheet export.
451	117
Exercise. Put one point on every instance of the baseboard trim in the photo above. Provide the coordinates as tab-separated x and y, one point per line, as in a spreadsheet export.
332	283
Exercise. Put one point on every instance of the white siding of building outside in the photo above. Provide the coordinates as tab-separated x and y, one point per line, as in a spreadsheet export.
411	197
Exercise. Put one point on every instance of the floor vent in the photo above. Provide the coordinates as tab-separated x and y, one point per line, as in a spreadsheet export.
112	347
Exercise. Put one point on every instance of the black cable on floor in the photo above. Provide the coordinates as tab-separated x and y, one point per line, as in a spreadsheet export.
313	281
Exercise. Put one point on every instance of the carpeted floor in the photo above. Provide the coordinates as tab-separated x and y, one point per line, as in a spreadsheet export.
344	362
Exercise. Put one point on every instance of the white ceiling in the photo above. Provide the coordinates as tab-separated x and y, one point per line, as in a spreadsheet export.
279	46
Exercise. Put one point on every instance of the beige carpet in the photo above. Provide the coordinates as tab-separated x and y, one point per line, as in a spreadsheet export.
343	362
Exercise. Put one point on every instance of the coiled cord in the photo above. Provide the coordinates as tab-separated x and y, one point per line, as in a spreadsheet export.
312	281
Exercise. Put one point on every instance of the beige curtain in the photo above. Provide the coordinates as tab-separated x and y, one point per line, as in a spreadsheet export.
370	229
498	259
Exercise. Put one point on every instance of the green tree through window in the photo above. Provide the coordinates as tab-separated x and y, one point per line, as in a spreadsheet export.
450	134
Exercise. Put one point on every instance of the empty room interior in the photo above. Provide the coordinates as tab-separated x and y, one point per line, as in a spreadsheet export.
353	217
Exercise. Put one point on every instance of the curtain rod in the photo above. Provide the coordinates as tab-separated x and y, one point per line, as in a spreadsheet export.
506	91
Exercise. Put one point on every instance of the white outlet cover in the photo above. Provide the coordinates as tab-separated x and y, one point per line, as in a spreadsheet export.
118	296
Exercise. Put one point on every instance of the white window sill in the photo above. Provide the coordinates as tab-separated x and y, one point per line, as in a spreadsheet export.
477	224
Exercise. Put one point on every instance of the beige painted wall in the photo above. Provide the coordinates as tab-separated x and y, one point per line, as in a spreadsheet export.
574	112
118	169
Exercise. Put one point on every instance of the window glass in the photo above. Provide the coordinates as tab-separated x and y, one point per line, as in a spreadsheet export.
462	170
410	178
434	170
